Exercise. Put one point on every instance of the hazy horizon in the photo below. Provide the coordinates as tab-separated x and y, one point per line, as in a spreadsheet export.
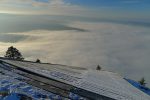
114	34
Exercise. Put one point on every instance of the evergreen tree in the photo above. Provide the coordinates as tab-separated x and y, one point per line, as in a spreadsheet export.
38	61
98	67
13	53
142	81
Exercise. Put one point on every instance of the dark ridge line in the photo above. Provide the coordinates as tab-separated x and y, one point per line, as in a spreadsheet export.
74	67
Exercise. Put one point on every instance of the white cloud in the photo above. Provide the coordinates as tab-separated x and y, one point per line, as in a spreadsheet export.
57	2
120	48
53	7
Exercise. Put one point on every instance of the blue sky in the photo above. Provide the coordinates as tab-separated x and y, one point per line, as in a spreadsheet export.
123	5
104	8
113	3
107	3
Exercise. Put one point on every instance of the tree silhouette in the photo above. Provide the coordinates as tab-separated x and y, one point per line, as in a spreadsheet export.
38	61
98	67
142	81
13	53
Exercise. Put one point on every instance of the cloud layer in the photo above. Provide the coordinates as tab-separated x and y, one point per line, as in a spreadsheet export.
38	7
117	47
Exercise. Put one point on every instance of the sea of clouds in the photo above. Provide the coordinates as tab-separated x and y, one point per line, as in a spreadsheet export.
117	47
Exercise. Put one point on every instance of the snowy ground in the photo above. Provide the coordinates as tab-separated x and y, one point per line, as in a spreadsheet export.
13	83
100	82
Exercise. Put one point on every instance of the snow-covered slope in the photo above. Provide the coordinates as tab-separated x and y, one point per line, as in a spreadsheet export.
111	85
102	83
